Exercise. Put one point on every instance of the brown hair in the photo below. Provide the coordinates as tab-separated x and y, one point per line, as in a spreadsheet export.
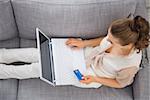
134	31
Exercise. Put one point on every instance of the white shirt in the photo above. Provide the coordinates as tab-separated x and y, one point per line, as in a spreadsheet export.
113	66
110	64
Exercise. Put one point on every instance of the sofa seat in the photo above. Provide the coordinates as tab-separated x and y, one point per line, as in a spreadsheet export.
35	89
8	89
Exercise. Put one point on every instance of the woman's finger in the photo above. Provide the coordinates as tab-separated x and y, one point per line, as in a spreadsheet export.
84	81
75	48
86	77
69	40
72	44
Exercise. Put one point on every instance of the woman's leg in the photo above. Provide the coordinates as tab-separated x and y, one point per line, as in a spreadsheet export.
29	55
19	72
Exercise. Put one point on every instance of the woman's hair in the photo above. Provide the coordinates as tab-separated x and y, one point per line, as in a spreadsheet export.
134	31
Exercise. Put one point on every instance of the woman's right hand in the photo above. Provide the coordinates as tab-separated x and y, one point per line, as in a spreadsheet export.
75	43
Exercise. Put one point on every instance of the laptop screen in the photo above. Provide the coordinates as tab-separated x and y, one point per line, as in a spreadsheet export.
45	58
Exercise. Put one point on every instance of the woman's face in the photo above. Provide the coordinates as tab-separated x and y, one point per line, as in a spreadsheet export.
114	41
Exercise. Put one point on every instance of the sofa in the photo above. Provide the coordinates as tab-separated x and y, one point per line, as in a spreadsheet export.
66	18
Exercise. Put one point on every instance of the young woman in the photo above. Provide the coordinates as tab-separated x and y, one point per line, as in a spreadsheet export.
117	66
114	67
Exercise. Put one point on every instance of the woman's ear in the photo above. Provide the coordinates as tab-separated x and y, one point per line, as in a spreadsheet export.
130	44
109	30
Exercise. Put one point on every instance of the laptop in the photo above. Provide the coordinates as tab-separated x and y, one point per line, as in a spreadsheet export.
58	61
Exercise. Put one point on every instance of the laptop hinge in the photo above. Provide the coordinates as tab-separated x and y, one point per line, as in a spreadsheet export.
52	61
50	43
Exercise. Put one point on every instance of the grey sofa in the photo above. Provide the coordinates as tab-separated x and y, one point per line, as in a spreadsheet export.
66	18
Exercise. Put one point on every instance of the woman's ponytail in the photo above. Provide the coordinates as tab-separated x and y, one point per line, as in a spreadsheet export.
135	31
141	27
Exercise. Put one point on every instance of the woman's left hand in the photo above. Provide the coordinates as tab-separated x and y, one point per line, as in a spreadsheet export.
87	79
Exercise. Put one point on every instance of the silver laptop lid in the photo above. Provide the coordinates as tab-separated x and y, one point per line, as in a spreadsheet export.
46	58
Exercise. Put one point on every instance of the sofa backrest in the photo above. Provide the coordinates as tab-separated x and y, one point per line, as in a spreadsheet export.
8	29
141	9
67	18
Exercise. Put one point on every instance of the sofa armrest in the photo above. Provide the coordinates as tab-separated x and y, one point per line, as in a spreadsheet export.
141	85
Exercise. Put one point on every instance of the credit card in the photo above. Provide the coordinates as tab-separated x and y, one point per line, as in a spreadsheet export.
78	74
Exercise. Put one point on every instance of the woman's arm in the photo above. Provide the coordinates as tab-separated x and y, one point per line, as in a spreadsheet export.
104	81
72	42
107	82
92	42
124	78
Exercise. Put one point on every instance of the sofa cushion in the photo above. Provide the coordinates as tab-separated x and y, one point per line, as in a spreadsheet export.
11	43
26	43
149	14
8	89
148	53
147	3
78	18
35	89
141	86
8	28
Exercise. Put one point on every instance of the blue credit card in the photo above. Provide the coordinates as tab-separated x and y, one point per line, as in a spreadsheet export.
78	74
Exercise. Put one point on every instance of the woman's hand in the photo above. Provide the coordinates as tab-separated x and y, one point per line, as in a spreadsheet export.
75	43
87	79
